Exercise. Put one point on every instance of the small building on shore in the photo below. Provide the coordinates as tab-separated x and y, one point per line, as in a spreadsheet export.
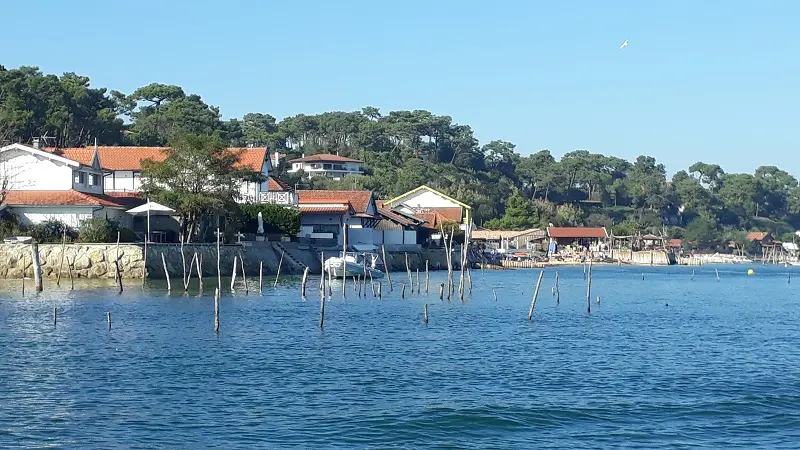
530	239
591	238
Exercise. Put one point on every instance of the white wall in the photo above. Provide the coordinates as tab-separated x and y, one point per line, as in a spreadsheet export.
26	171
72	216
427	199
123	180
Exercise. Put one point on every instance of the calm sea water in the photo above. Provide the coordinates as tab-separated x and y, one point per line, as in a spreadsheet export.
664	362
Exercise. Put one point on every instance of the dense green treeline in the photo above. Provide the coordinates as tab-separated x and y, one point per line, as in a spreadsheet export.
403	149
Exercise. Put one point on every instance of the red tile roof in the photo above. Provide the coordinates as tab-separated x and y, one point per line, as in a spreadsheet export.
577	232
83	155
360	200
61	198
447	214
324	157
675	243
324	209
757	235
130	158
274	184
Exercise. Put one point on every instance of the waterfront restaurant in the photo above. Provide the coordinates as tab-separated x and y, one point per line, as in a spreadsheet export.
581	237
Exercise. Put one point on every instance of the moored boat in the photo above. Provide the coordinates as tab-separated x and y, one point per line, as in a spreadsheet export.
354	264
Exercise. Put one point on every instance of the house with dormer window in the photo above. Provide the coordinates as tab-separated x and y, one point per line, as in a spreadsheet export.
67	185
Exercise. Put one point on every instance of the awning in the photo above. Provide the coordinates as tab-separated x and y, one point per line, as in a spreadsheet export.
155	209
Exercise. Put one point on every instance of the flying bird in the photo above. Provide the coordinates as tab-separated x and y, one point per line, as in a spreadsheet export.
624	44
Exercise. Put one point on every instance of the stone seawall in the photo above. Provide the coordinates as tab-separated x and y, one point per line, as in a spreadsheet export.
97	260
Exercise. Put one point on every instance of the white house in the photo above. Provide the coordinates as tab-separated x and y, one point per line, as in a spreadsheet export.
396	228
325	215
331	166
432	206
122	167
64	185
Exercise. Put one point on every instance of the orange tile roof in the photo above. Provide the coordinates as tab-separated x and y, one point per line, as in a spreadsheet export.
324	157
757	235
130	158
324	209
447	214
250	157
577	232
675	242
60	198
84	155
274	184
360	200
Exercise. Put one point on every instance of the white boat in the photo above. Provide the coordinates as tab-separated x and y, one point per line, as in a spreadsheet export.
354	264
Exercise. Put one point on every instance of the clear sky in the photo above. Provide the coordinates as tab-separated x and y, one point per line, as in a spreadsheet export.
710	80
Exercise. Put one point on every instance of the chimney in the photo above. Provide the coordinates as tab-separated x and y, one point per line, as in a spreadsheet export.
36	143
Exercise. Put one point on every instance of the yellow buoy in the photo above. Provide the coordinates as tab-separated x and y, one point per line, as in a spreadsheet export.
750	271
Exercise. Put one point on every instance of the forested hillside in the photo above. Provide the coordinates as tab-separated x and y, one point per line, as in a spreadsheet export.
403	149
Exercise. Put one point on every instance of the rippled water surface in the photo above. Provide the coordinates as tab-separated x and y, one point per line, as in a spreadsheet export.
662	362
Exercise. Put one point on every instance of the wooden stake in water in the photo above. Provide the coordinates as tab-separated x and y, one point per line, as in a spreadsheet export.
200	270
589	289
166	272
23	274
441	291
692	274
427	277
219	268
69	272
494	292
535	294
408	271
380	286
322	308
558	293
418	284
108	317
261	278
344	261
403	291
118	276
387	268
63	252
55	316
425	314
37	267
233	275
183	261
216	310
244	276
280	264
303	282
717	271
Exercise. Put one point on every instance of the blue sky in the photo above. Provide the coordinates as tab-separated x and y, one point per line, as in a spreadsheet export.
707	80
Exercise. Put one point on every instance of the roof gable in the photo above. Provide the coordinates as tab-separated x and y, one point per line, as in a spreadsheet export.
361	201
42	153
428	189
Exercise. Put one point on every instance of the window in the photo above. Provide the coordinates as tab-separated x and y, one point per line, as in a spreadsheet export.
80	177
94	179
327	229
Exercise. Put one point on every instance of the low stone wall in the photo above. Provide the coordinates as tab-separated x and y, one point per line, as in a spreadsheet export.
97	260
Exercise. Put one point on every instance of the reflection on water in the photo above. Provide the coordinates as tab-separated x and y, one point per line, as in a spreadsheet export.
662	362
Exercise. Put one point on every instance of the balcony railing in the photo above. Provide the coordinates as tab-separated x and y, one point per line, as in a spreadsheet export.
278	198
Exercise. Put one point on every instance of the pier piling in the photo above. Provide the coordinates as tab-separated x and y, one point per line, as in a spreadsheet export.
535	294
